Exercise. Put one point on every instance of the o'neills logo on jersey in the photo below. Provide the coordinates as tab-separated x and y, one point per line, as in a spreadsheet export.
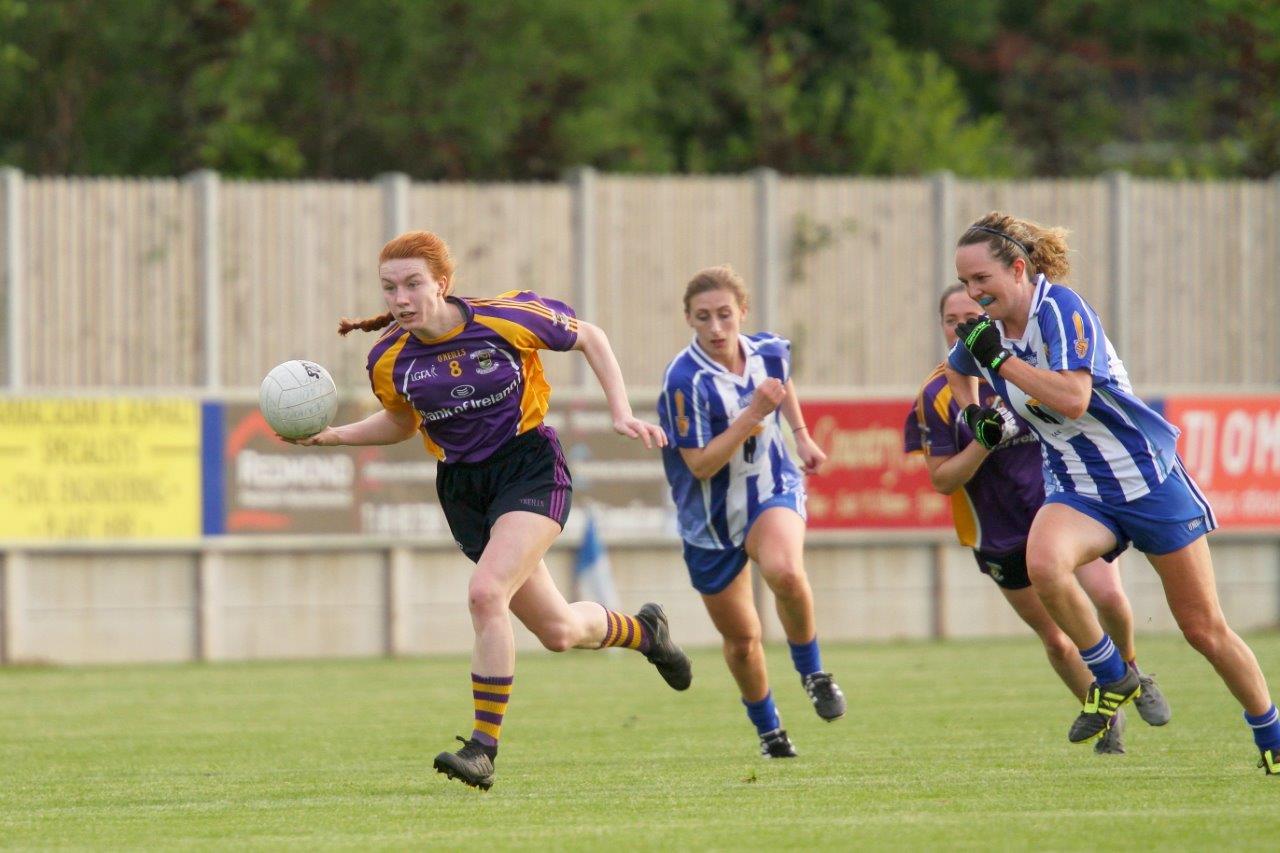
682	421
562	320
473	403
1082	343
451	355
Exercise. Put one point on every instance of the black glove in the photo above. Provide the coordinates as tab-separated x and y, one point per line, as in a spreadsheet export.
982	339
988	425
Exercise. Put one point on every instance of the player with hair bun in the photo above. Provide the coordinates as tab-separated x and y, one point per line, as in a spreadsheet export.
466	373
1111	468
996	489
739	495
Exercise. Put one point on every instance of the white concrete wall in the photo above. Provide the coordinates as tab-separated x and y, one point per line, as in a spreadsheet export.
296	604
99	608
866	593
238	604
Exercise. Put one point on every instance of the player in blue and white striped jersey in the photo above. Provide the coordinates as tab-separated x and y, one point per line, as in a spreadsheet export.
739	495
995	494
1111	468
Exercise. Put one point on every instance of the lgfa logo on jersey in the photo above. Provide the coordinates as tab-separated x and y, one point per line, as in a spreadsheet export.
1082	343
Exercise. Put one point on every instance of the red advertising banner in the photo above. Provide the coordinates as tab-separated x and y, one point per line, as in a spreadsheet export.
1231	447
868	481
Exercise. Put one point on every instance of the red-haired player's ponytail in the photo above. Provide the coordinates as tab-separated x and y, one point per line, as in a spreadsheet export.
369	324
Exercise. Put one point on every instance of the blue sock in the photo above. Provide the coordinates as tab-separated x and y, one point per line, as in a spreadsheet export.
1104	661
1266	729
806	657
764	714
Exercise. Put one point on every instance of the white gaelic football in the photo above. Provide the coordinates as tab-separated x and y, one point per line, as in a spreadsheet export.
298	398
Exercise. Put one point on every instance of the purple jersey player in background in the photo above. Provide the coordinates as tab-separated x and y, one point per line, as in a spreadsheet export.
466	373
994	498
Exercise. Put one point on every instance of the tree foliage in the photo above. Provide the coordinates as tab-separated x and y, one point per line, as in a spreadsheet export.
519	89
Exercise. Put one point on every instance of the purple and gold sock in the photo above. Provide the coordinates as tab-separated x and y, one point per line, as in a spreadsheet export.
490	693
625	631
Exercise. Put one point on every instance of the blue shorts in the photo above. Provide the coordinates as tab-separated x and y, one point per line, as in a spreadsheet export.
1166	520
713	569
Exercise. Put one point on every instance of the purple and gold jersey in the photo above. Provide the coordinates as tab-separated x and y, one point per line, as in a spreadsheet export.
480	384
993	511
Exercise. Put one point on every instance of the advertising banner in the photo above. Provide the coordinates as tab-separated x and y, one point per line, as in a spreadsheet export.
868	482
99	469
624	481
1231	447
269	486
131	468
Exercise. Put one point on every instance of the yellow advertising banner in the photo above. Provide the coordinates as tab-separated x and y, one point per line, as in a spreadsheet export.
99	469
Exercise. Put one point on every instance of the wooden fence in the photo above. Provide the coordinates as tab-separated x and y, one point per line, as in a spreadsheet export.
207	283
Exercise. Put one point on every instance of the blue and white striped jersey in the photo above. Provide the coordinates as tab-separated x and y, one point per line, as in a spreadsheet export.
699	400
1120	449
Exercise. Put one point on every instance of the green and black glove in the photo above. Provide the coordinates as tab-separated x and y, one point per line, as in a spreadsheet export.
989	426
982	339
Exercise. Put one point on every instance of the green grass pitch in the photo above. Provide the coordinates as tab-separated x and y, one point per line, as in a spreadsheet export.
952	745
